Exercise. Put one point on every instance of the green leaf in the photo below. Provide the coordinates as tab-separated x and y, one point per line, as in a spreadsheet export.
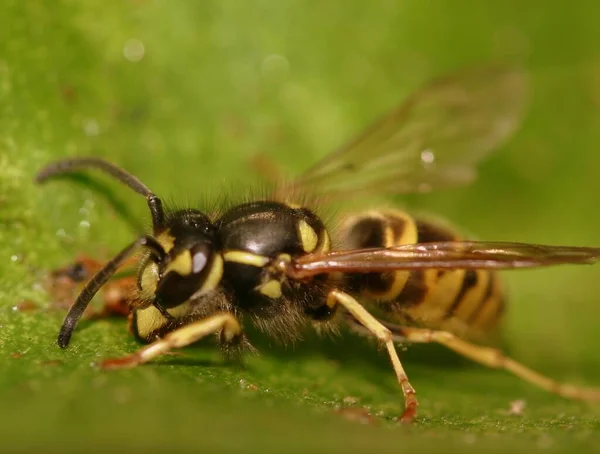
183	95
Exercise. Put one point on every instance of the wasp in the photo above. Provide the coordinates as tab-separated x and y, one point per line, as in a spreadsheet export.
273	262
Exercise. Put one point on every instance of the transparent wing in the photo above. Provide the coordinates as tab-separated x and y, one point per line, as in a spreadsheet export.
433	139
442	255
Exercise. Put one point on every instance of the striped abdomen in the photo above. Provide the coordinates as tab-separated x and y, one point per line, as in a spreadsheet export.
461	301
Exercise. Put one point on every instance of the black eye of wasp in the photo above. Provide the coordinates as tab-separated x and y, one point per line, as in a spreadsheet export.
185	273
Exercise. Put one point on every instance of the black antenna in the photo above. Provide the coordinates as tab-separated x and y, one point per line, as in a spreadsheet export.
97	281
70	165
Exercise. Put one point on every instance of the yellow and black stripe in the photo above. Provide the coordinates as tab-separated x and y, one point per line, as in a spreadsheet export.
436	298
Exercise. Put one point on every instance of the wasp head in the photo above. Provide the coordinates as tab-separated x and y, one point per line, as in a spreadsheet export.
189	263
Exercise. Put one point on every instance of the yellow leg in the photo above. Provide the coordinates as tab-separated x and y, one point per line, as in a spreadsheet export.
494	358
384	335
225	323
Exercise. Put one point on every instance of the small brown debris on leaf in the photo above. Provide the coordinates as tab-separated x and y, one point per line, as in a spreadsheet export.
25	306
247	385
64	284
68	93
356	414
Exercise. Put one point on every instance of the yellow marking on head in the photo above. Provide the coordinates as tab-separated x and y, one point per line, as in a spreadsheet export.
181	264
246	258
213	279
293	206
150	319
149	281
308	236
272	289
166	240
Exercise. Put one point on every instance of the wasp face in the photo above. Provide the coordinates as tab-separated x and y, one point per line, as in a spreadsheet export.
190	265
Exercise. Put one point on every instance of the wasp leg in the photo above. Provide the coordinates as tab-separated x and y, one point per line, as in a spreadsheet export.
384	335
494	358
224	323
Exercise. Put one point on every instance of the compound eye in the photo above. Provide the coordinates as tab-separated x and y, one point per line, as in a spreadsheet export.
200	255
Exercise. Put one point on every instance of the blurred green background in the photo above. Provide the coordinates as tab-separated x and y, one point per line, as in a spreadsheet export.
182	94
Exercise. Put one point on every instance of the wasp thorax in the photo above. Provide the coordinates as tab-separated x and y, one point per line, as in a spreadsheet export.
255	234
